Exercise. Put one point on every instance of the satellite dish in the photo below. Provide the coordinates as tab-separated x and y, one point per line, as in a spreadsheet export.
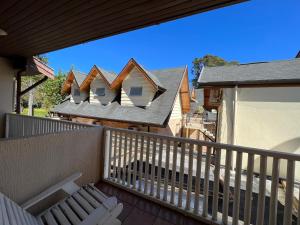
3	32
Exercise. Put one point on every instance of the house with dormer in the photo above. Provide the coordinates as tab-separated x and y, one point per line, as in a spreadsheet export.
136	98
72	87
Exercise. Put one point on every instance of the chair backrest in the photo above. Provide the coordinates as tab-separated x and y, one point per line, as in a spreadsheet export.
13	214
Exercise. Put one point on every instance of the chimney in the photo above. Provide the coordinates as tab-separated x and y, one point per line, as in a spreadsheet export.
298	55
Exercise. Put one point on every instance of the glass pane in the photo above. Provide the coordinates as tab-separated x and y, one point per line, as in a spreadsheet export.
136	91
100	91
76	92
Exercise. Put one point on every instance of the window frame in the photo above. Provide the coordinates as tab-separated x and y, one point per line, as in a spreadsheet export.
76	92
100	95
136	91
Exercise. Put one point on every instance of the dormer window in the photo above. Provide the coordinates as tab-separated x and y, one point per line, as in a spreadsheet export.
76	92
100	92
136	91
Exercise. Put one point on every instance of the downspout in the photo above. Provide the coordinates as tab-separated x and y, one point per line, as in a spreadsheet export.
234	115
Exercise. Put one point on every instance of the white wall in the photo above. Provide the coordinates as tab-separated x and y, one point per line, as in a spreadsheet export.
267	118
77	99
110	95
177	109
35	163
135	79
6	91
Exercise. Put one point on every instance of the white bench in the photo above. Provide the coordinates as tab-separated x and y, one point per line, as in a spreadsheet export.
84	206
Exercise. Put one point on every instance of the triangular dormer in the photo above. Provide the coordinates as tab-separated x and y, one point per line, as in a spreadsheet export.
72	86
138	86
98	83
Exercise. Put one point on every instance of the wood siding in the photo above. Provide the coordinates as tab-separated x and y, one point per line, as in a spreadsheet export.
98	82
136	79
177	109
77	99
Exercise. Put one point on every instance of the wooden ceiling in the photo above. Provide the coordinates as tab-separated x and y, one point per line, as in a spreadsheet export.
36	27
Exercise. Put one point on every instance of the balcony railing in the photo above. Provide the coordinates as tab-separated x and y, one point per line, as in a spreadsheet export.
209	181
24	126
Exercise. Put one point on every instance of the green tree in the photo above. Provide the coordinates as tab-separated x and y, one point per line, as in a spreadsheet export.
51	90
208	61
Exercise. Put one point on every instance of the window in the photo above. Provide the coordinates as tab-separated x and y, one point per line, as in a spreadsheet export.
76	92
136	91
100	92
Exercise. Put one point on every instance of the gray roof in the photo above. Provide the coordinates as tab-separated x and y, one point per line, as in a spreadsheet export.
155	114
109	76
199	100
275	72
79	76
153	78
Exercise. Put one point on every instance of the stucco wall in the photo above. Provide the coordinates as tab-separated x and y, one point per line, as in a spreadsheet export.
110	95
30	165
267	118
6	90
137	79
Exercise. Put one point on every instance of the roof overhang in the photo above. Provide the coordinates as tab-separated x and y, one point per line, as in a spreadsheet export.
90	77
66	87
46	26
127	69
253	83
36	67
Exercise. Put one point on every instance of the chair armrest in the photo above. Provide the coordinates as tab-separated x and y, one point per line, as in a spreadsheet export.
67	185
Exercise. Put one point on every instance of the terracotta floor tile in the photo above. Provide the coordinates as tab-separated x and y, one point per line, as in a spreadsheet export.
148	206
139	217
160	221
127	209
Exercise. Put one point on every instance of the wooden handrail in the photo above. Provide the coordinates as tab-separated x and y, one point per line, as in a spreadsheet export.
183	173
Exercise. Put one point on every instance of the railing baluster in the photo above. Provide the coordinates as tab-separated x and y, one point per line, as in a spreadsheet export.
298	219
125	160
159	168
190	177
198	179
174	171
135	161
119	157
181	174
141	164
289	194
153	167
226	187
206	182
216	185
109	132
115	155
237	189
248	195
166	177
129	160
262	191
274	192
147	165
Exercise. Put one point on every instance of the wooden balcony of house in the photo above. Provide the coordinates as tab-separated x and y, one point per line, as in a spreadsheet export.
159	179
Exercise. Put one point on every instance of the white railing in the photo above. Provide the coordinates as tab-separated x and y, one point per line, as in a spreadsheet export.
211	182
17	126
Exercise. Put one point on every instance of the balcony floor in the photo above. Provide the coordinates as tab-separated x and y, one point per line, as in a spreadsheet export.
139	211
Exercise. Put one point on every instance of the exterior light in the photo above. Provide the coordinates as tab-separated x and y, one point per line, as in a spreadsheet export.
3	32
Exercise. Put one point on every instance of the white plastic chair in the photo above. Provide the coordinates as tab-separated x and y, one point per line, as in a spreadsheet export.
84	206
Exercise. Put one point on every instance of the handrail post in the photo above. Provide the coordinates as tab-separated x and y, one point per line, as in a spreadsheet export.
105	148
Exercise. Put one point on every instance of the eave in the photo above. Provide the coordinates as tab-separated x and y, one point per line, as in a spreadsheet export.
51	25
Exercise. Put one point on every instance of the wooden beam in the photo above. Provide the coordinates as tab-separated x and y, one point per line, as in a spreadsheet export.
34	85
18	97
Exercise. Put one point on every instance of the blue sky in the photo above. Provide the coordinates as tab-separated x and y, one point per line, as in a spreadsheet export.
258	30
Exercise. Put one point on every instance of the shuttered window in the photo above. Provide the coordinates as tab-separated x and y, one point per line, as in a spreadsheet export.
100	92
136	91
